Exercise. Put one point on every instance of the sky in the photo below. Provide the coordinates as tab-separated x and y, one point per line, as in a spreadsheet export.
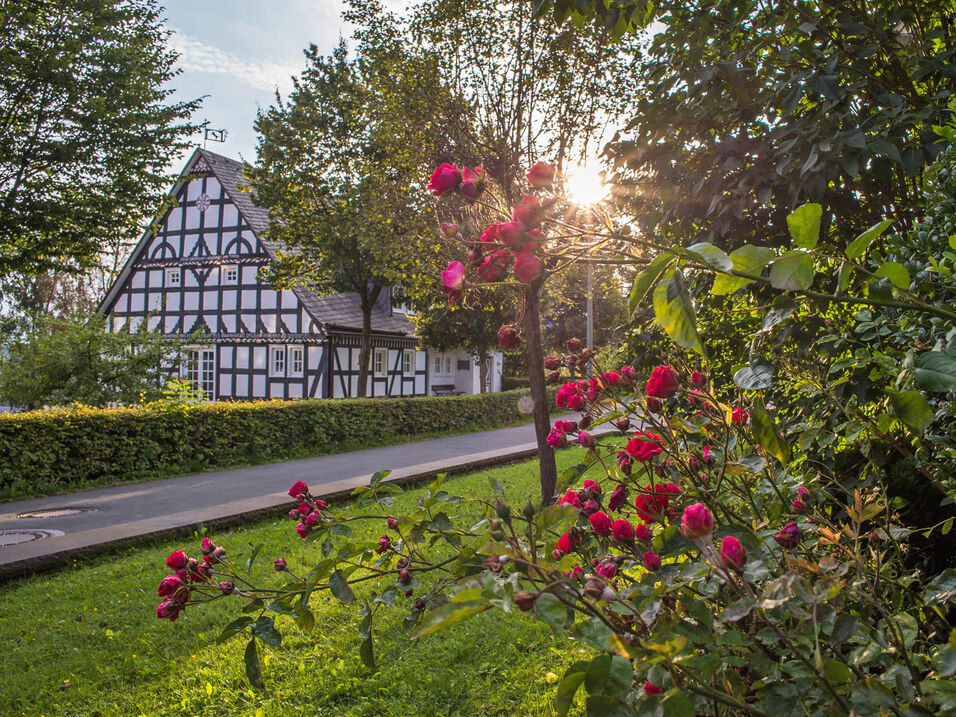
237	52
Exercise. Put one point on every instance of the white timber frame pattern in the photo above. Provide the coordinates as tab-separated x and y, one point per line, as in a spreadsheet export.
195	275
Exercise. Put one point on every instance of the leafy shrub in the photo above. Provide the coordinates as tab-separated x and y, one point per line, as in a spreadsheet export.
44	451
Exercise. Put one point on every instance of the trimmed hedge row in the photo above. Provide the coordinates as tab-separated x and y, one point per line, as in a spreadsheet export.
46	451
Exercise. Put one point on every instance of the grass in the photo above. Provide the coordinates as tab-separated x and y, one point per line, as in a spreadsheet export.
85	641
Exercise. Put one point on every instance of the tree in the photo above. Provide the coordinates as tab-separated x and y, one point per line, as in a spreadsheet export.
340	167
76	360
751	108
86	127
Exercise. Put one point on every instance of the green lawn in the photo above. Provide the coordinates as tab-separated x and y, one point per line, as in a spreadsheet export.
86	641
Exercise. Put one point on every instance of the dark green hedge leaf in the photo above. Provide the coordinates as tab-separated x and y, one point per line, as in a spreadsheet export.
551	610
367	652
911	408
567	689
340	588
252	666
754	378
449	614
941	589
936	371
766	433
804	225
234	628
264	628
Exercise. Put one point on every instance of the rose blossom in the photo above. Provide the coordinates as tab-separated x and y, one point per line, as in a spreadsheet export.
697	378
732	553
644	446
565	426
527	267
511	234
586	439
444	179
541	175
799	506
652	689
697	522
383	544
472	183
662	383
564	545
391	523
169	585
571	498
622	531
298	489
528	211
739	416
612	378
590	507
279	565
176	559
593	486
493	267
576	402
652	561
207	546
453	278
167	610
788	536
606	570
304	508
600	523
508	337
303	530
552	363
556	438
628	374
312	518
642	533
803	493
618	497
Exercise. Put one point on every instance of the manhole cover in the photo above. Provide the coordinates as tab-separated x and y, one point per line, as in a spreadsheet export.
55	512
15	537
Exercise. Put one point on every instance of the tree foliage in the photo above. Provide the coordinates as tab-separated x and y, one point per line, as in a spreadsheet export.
87	128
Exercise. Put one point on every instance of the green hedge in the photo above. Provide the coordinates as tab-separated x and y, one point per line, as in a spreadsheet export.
509	383
52	450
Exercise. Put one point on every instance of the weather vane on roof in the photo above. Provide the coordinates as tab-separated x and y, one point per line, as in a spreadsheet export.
216	135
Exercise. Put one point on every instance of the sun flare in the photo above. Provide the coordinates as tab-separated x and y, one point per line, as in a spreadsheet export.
585	185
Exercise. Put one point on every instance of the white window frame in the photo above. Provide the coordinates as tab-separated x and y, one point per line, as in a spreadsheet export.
379	368
226	270
277	361
408	362
449	365
437	363
199	369
174	276
296	360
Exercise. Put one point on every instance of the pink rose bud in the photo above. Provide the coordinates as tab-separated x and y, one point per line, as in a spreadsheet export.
803	493
799	506
541	175
705	454
693	463
600	523
167	610
444	179
628	374
227	587
788	536
732	553
622	531
652	561
642	533
176	559
298	490
552	363
312	518
169	585
449	229
304	508
279	565
508	337
303	530
556	438
618	498
294	514
576	572
404	577
590	507
392	523
697	522
218	552
606	570
472	183
662	383
652	689
527	267
383	544
321	505
207	546
697	378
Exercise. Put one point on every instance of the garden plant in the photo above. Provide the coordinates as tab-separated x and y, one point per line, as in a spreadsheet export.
766	534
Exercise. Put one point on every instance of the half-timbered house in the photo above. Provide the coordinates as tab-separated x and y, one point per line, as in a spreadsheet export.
194	274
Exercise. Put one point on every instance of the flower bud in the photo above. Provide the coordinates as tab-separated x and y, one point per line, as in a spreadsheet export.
732	553
554	377
618	497
449	229
654	406
391	523
788	536
503	511
524	600
404	577
799	506
420	603
697	522
509	337
573	345
652	689
529	510
294	514
697	378
384	543
600	523
606	570
652	561
227	587
590	507
623	424
207	546
552	363
628	374
594	588
586	440
279	565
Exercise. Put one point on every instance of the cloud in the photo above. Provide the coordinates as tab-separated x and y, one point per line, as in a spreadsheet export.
197	56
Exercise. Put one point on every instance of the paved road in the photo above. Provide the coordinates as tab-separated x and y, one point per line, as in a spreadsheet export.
81	523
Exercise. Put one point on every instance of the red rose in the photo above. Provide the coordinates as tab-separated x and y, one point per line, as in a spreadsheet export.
652	561
662	383
552	363
168	610
472	183
644	446
732	553
383	544
444	179
697	378
628	375
697	522
541	175
527	267
556	438
298	489
528	211
576	402
571	498
593	486
652	689
600	523
511	234
622	531
169	585
642	533
739	416
491	234
508	337
493	267
612	378
618	498
303	530
606	570
177	559
788	536
565	545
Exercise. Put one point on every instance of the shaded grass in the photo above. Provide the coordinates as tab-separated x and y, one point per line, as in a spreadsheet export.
85	640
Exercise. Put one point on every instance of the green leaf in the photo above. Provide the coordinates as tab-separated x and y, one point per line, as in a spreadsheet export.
804	225
646	279
941	589
896	273
264	628
234	628
859	245
551	610
449	614
555	517
677	703
567	689
835	671
367	652
747	259
712	256
252	666
340	587
936	371
676	315
754	378
377	478
766	433
911	408
737	610
792	272
252	557
604	706
609	675
843	629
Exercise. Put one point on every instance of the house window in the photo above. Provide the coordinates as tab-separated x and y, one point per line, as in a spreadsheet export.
296	360
173	276
436	364
448	365
378	361
408	361
277	363
230	274
200	372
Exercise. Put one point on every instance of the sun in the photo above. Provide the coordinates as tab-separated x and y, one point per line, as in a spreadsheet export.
585	185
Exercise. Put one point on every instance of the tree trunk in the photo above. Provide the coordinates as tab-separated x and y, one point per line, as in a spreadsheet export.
548	470
483	369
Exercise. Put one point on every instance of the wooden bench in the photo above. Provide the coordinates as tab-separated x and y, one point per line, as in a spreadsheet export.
446	389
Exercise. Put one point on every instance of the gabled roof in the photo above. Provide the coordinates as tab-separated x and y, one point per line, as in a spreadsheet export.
336	311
